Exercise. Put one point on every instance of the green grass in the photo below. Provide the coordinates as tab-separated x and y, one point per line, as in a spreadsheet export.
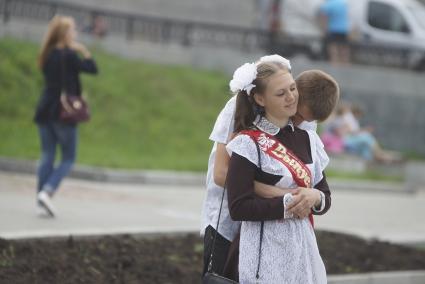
369	175
414	156
420	246
144	115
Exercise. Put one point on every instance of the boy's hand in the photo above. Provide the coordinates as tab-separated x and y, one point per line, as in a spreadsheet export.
304	199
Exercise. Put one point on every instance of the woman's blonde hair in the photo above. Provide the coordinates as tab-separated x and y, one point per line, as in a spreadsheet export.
57	31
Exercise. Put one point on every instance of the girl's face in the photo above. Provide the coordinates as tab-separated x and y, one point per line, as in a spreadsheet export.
71	35
280	98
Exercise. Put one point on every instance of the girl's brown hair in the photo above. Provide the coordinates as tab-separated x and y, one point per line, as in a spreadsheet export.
57	31
246	107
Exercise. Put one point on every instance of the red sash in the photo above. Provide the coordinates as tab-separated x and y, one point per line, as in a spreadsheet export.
272	147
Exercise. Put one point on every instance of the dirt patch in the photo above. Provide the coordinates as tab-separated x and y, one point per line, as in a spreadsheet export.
178	259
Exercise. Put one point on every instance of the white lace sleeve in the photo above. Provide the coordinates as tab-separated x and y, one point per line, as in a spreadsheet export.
319	155
244	146
224	125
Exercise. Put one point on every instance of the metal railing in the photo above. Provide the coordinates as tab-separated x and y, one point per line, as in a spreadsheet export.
190	33
136	26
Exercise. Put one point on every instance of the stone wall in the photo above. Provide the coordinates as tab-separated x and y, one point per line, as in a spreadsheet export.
393	102
232	12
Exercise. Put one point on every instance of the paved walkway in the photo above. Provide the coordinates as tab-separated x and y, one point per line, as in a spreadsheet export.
87	208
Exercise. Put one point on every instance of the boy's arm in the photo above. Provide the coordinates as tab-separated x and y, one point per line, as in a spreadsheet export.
221	164
244	204
269	191
324	188
221	134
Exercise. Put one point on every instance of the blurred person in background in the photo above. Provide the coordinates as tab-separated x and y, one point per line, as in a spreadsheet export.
61	64
344	130
334	21
97	27
262	6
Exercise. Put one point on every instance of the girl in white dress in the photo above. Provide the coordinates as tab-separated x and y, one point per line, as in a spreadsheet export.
267	98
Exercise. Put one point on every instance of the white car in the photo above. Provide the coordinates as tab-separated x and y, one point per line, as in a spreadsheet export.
391	25
391	32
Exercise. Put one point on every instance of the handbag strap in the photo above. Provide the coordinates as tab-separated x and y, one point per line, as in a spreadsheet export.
216	229
63	97
257	275
218	222
63	71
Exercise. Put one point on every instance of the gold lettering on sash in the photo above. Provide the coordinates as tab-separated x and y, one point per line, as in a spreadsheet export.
279	151
301	173
307	181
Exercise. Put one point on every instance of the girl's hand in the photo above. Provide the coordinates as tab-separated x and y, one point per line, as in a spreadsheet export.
81	48
304	199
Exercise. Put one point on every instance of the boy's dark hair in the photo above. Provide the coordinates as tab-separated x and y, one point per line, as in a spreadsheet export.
319	92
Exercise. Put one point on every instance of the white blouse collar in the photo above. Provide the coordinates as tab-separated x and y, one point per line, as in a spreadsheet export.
265	125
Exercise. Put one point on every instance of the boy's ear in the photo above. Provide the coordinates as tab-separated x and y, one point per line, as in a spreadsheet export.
259	99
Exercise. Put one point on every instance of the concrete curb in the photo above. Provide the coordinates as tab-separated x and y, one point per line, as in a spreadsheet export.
111	175
96	233
157	177
393	277
375	186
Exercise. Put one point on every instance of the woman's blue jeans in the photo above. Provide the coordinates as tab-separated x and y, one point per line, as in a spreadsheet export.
51	135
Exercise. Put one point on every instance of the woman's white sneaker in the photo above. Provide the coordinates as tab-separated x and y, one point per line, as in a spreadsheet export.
46	202
41	211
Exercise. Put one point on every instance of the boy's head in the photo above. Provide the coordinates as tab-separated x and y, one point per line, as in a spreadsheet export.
318	95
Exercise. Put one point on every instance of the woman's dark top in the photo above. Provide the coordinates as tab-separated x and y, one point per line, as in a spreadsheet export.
244	204
61	71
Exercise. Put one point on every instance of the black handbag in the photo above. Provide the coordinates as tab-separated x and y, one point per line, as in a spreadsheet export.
213	278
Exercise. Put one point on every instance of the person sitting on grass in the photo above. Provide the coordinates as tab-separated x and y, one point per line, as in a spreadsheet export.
345	128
